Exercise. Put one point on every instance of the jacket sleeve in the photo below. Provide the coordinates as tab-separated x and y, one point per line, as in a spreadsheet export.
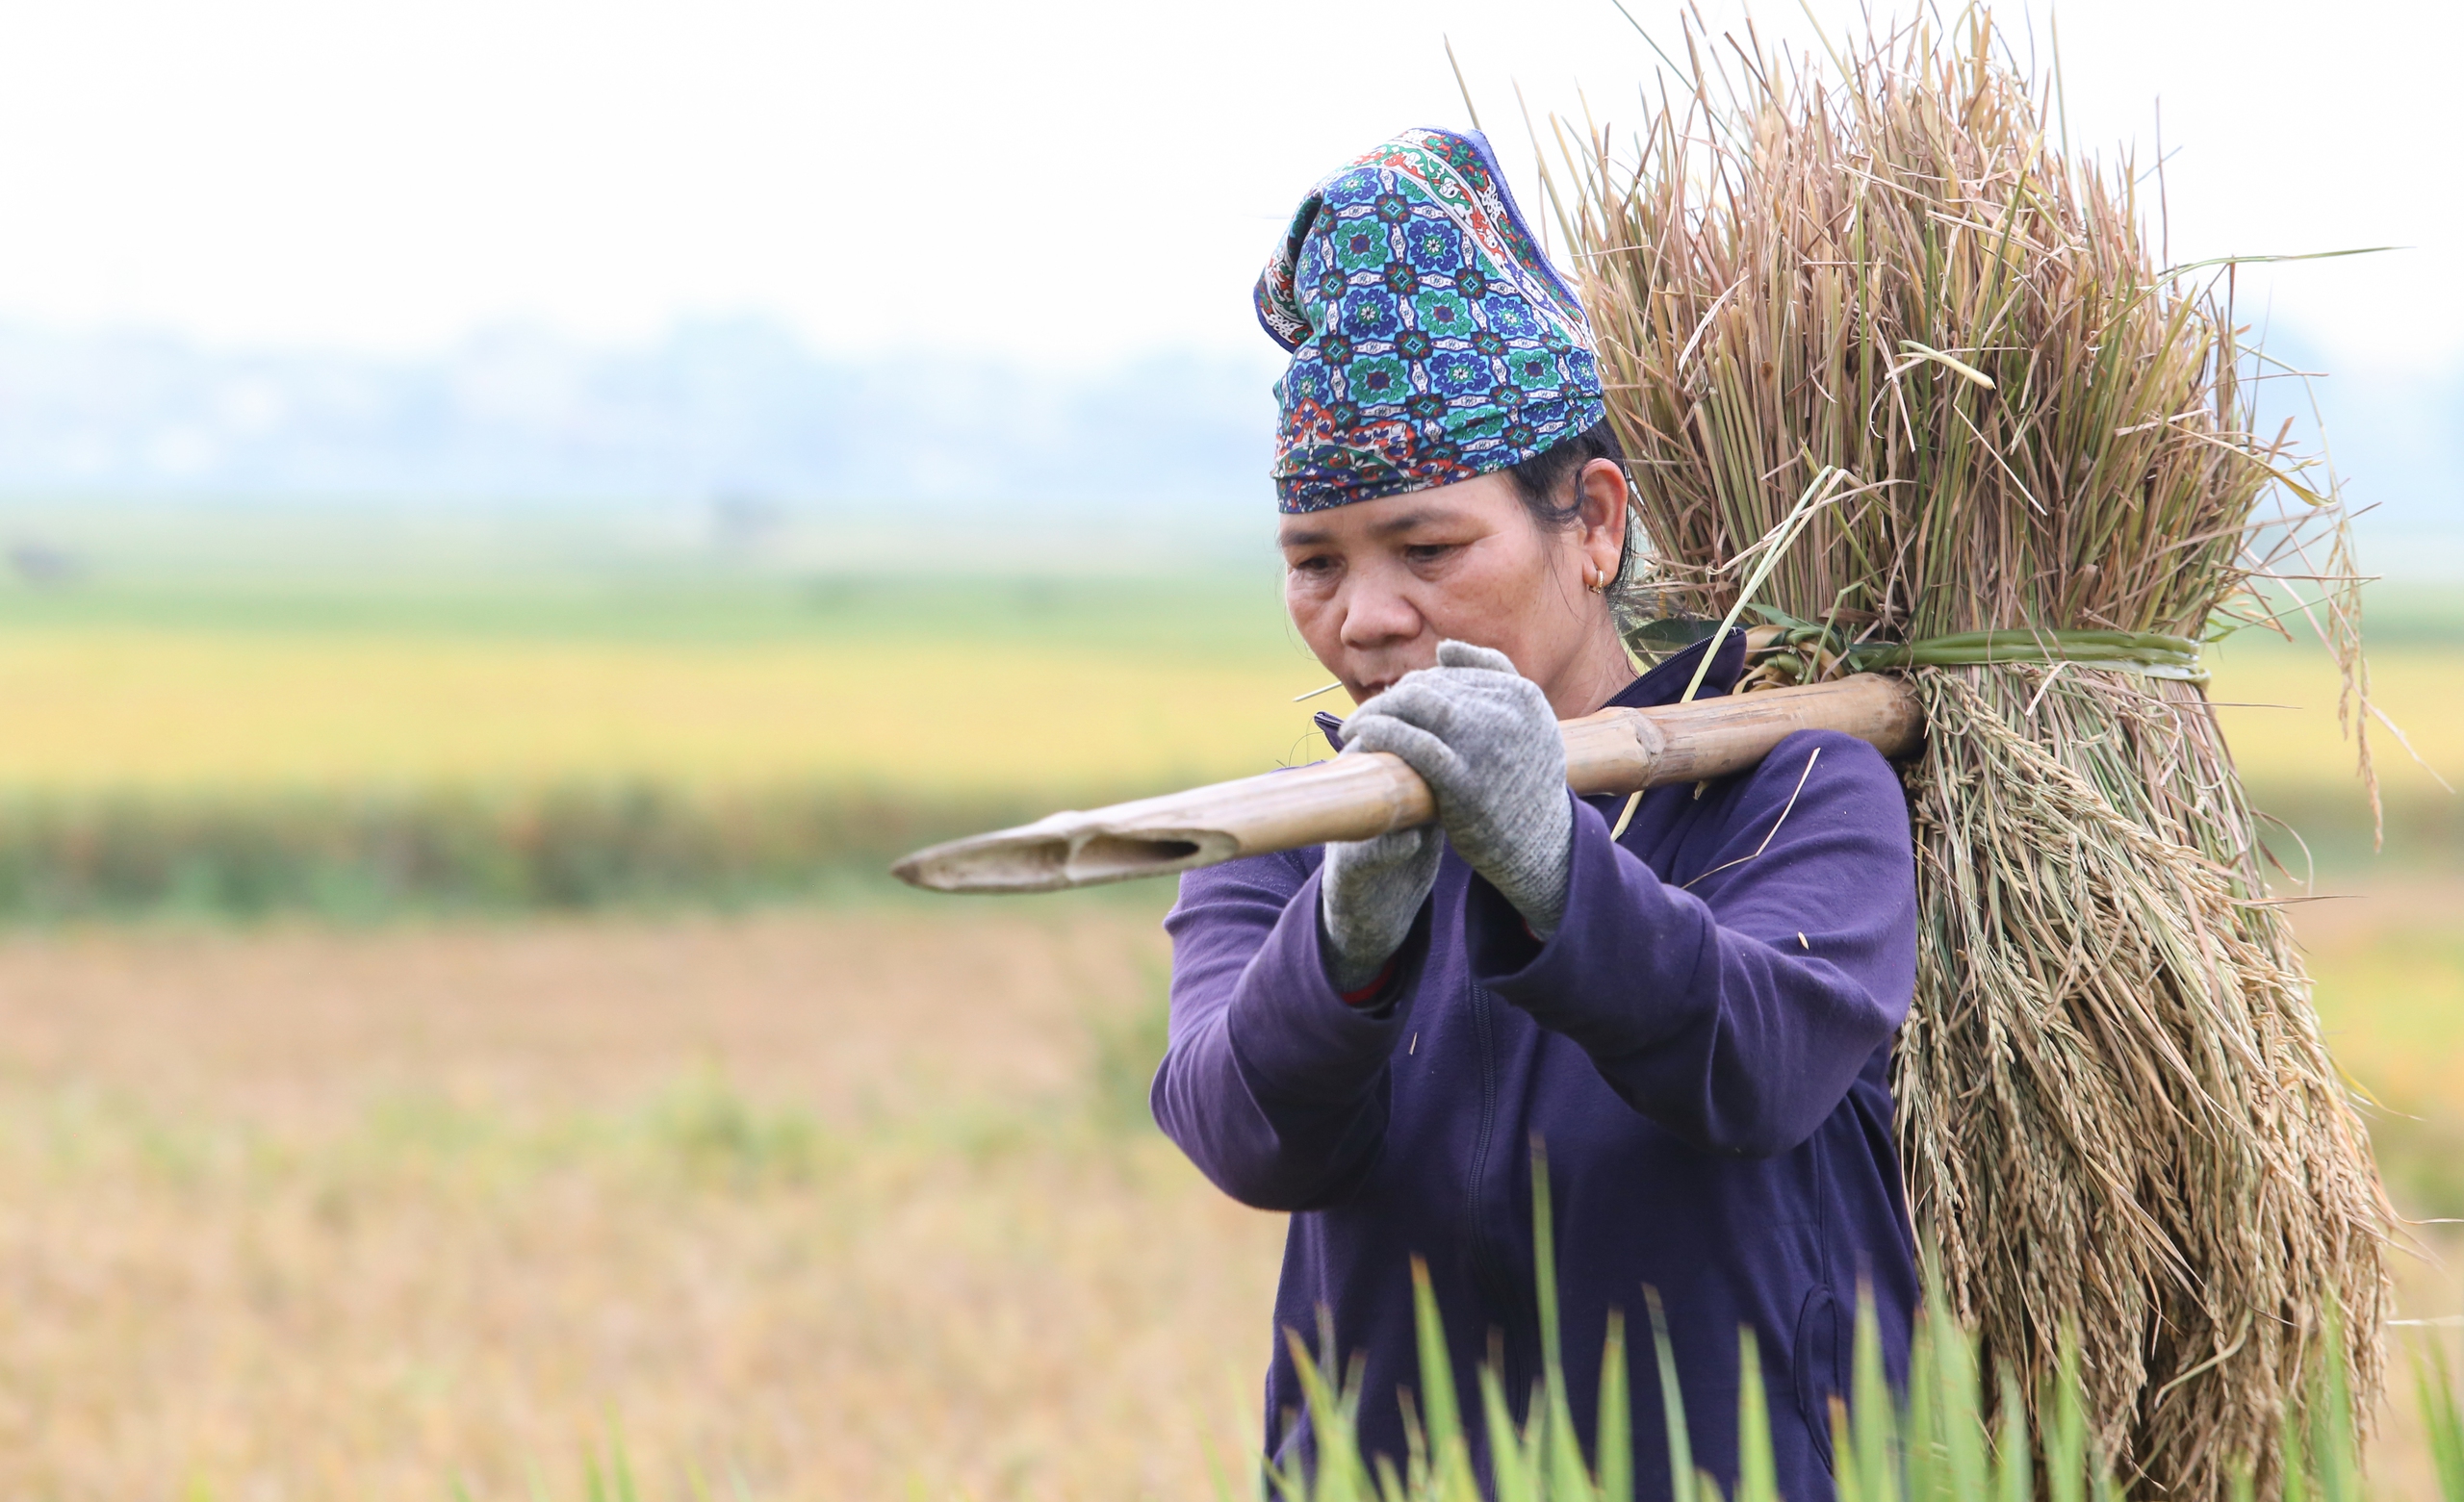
1275	1086
1736	1011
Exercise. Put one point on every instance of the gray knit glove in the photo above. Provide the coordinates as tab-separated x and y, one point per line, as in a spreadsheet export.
1485	740
1371	891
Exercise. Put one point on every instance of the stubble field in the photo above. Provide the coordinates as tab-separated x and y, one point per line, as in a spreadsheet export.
813	1204
809	1204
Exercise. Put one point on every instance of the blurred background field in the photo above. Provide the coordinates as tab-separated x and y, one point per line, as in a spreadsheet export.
452	1020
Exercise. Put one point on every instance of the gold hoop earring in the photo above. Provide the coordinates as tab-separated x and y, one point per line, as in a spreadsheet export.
1599	581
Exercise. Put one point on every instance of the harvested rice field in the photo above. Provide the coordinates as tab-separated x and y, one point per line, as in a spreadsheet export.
847	1207
848	1203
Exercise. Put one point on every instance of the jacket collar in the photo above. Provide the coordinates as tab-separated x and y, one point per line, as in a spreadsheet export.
1659	686
1664	683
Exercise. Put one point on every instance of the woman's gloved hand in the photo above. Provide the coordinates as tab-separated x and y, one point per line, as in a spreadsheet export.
1371	891
1485	740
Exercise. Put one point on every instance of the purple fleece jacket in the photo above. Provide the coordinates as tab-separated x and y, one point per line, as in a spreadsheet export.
1704	1046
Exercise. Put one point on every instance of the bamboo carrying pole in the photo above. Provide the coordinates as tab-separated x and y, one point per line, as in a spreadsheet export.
1358	797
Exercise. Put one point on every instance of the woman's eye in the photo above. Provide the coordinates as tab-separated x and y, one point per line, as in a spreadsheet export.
1427	552
1316	564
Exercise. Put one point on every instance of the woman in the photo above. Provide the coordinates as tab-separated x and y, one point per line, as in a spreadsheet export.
1690	1001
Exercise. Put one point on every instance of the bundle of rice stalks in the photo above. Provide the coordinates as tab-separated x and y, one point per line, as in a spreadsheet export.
1874	338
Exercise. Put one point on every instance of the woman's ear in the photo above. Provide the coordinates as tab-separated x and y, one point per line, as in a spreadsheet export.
1601	490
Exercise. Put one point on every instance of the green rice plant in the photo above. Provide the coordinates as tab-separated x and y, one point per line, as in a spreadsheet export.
2443	1421
1900	377
1948	1436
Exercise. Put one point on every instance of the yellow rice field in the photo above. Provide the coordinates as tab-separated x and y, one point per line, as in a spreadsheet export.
132	708
2279	711
115	707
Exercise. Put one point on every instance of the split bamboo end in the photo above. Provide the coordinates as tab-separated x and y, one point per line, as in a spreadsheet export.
1055	855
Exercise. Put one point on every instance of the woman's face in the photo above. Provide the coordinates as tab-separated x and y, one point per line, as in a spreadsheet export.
1375	585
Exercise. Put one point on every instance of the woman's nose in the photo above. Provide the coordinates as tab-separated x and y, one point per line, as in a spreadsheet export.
1378	616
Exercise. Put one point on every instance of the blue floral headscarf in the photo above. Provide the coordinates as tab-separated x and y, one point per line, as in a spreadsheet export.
1431	339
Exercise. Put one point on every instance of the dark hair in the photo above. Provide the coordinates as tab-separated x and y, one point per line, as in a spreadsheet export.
1538	479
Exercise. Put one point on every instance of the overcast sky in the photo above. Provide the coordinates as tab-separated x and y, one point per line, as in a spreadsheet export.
1068	181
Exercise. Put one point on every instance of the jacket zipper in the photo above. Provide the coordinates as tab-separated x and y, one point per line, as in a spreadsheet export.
1496	1288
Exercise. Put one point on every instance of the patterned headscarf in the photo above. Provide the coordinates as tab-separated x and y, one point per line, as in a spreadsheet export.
1430	339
